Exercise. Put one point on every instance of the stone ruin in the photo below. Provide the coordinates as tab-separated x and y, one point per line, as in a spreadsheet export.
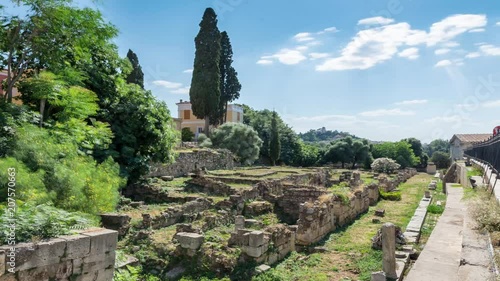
306	208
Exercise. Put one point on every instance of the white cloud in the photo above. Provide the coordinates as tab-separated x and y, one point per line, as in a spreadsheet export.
386	112
167	84
303	36
444	119
480	43
490	50
375	21
188	70
181	91
458	62
410	53
412	102
442	51
473	55
451	44
372	46
315	56
498	23
492	104
443	63
476	30
320	118
285	56
264	62
331	29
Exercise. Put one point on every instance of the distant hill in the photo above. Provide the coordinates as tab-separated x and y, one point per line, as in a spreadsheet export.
324	135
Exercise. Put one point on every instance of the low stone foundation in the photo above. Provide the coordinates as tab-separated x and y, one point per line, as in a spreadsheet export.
89	255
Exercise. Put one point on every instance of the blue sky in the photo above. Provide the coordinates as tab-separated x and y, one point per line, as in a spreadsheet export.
380	69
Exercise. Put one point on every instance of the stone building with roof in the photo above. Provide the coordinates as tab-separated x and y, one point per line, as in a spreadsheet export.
461	142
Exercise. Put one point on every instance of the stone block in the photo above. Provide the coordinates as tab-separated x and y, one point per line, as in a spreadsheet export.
262	268
77	266
39	255
77	246
254	252
102	241
191	241
380	212
256	239
8	277
378	276
2	262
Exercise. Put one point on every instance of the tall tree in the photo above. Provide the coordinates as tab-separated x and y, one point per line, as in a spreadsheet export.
136	76
274	144
52	33
205	83
229	84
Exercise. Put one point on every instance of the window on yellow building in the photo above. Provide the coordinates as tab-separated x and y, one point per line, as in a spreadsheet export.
187	114
238	117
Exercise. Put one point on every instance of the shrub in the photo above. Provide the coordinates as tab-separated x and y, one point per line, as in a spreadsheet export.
441	159
384	165
435	209
186	134
240	139
42	222
486	211
72	180
390	196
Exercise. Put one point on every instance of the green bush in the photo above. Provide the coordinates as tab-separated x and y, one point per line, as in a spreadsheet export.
42	222
435	209
186	134
390	196
240	139
72	180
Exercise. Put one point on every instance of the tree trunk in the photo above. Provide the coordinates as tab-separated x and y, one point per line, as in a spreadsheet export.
207	126
225	113
343	164
42	109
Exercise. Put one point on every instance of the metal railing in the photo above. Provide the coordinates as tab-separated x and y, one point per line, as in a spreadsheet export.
487	151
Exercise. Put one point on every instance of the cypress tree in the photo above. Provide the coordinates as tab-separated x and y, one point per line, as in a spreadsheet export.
229	84
205	83
136	76
274	143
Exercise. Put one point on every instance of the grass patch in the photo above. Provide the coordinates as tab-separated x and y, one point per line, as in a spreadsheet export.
474	172
390	196
435	209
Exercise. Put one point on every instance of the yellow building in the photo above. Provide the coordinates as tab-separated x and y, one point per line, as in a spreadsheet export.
196	125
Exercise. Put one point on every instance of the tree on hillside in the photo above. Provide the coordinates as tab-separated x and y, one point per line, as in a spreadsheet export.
205	84
136	76
275	144
441	159
229	84
52	34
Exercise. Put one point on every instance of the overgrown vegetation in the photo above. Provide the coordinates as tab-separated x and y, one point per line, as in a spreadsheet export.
390	196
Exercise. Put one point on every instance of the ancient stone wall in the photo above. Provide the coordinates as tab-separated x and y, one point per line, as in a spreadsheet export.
187	162
322	217
89	255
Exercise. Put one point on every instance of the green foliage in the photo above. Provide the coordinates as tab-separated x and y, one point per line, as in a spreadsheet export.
143	130
437	145
41	222
275	144
484	209
136	76
72	181
229	84
308	155
474	172
418	150
186	134
260	121
347	150
240	139
384	165
435	209
205	89
441	159
390	196
400	151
